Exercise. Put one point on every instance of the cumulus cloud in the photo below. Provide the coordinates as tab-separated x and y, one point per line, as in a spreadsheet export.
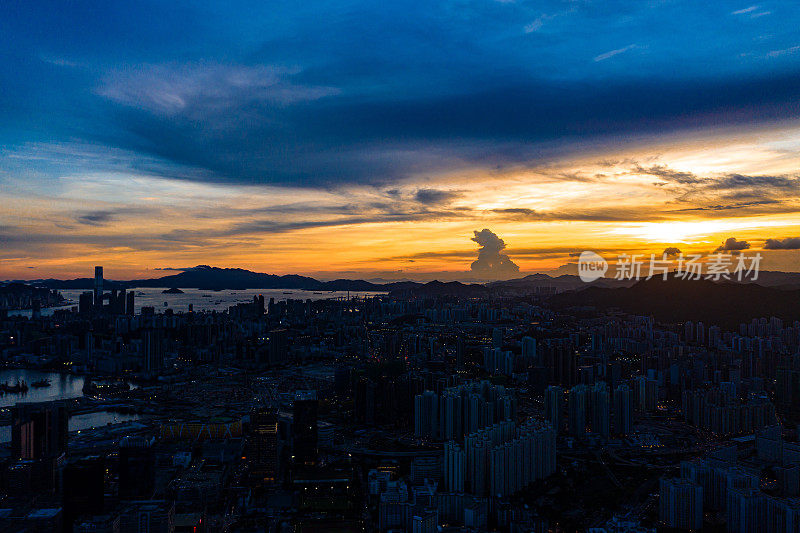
732	245
491	262
671	252
789	243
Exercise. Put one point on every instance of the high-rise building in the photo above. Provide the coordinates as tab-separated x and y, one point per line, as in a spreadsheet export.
529	350
278	346
501	459
600	420
98	286
152	350
578	400
746	511
304	427
39	430
461	410
426	410
554	406
454	467
151	516
83	488
258	303
136	467
623	406
681	504
85	302
497	338
263	444
129	304
426	521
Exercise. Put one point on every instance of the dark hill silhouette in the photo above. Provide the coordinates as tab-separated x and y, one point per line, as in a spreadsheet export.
439	288
207	277
725	304
214	278
563	282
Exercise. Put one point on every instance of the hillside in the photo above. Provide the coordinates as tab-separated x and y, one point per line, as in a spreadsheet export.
676	300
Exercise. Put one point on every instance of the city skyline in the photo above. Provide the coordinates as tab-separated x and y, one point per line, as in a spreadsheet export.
468	266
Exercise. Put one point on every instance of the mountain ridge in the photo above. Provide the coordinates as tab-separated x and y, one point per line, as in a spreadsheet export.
211	278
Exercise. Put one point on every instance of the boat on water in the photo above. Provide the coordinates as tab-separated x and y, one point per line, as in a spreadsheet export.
41	383
19	386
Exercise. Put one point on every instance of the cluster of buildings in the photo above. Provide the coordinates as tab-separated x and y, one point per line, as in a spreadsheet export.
400	413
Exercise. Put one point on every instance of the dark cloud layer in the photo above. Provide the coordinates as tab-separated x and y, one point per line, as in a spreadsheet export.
732	245
334	139
322	93
789	243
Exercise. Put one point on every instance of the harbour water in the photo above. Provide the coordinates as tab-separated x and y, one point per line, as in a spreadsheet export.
62	386
83	422
204	300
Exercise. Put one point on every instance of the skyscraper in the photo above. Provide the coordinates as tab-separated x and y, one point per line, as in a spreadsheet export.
553	406
137	467
681	504
263	444
85	302
578	399
39	430
304	427
529	350
83	486
600	413
152	350
129	304
622	410
98	286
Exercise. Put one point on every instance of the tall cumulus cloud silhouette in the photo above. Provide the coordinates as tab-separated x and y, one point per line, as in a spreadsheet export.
491	263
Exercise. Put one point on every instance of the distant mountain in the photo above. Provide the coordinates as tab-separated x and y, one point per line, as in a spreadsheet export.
770	278
361	285
563	282
676	300
75	284
440	288
214	278
766	278
207	277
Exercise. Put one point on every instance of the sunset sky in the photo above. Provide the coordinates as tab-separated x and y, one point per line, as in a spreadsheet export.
372	139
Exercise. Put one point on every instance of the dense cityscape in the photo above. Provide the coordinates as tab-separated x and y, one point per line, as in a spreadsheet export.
462	266
399	412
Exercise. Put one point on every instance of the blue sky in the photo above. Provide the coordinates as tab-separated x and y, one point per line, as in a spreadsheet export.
323	96
341	84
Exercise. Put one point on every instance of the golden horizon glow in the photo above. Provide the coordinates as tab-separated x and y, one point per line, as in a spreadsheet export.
643	197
